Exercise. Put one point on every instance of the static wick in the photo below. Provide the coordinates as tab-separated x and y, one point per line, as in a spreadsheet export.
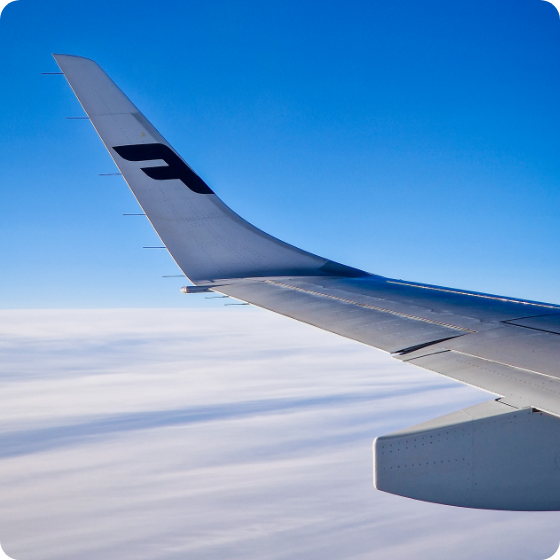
134	214
107	174
229	304
77	118
52	73
154	247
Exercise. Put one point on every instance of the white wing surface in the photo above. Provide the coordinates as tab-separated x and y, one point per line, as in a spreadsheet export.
508	347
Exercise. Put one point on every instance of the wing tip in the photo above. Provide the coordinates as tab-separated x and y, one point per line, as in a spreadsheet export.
64	55
72	59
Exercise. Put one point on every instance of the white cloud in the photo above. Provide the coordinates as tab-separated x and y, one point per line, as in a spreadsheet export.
207	434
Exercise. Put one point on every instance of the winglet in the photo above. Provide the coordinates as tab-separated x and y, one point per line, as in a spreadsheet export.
207	240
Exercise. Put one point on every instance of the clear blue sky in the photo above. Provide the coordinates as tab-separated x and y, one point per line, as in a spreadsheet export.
413	139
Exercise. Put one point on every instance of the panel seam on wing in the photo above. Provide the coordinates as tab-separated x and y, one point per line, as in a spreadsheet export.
369	306
483	296
505	364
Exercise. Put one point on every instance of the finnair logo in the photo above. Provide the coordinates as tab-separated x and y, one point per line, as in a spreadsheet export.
176	168
3	4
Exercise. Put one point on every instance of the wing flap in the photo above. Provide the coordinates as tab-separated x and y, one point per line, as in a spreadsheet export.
519	387
521	348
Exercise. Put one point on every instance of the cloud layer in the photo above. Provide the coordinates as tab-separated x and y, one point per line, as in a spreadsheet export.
228	433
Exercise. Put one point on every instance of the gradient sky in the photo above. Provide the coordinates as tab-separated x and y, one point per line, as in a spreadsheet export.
413	139
417	140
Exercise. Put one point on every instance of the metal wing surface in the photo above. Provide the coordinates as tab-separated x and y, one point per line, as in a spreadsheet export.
508	347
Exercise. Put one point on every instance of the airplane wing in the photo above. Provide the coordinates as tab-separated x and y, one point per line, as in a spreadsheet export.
503	454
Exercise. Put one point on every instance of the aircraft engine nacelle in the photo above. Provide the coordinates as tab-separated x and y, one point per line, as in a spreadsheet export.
489	456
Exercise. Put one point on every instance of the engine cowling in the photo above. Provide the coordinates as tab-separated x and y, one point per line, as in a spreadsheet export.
489	456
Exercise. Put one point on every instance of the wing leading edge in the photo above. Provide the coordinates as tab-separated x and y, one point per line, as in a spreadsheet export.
508	347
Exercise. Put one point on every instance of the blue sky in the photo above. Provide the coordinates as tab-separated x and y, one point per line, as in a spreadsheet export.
412	139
